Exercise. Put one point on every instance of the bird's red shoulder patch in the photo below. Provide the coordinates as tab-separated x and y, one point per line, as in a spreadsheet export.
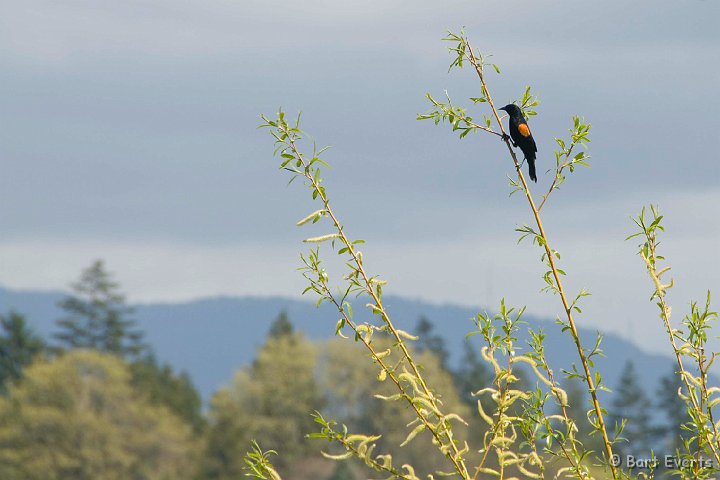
524	130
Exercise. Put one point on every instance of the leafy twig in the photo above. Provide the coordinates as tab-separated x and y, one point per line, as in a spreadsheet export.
464	52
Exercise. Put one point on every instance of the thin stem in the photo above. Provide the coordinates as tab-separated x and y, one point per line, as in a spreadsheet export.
651	262
456	459
568	421
489	130
371	461
557	175
556	275
500	424
390	372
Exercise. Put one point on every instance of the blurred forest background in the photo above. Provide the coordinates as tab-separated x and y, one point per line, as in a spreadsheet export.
92	401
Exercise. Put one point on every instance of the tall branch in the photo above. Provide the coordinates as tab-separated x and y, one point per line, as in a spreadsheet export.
567	307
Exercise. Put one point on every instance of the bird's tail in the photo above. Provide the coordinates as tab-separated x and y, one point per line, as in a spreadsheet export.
531	165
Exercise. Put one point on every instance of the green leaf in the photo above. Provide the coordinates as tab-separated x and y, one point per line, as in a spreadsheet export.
339	326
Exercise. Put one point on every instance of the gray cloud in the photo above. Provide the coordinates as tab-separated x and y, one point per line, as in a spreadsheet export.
128	129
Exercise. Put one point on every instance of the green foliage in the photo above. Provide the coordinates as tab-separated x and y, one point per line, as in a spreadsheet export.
406	374
271	402
258	465
457	117
162	386
527	103
77	417
18	348
517	421
691	353
281	326
565	160
357	396
97	316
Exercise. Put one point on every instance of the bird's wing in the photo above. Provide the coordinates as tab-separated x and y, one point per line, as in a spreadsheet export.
525	132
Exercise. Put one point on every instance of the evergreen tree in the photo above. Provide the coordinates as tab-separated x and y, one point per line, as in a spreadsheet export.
162	386
577	406
18	347
675	410
472	375
97	316
430	341
281	326
271	402
631	404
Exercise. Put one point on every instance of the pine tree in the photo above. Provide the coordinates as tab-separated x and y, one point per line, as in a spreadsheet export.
472	375
631	404
271	402
18	347
97	316
162	386
675	410
281	326
430	341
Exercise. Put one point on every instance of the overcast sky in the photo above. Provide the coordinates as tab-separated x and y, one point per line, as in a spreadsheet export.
128	133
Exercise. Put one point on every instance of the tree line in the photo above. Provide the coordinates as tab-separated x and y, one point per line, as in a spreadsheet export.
94	402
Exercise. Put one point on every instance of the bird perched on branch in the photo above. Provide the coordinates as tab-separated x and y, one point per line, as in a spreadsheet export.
521	136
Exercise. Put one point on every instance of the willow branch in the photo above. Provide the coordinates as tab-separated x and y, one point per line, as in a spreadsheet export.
557	176
448	440
660	292
551	261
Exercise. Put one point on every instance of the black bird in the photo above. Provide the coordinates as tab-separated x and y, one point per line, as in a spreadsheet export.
521	136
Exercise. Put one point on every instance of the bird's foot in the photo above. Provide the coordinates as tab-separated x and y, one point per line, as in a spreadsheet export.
507	138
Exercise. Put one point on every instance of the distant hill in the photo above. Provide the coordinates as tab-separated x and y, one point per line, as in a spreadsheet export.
211	338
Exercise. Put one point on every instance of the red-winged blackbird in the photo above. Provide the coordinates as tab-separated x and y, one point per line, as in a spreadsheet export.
521	136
